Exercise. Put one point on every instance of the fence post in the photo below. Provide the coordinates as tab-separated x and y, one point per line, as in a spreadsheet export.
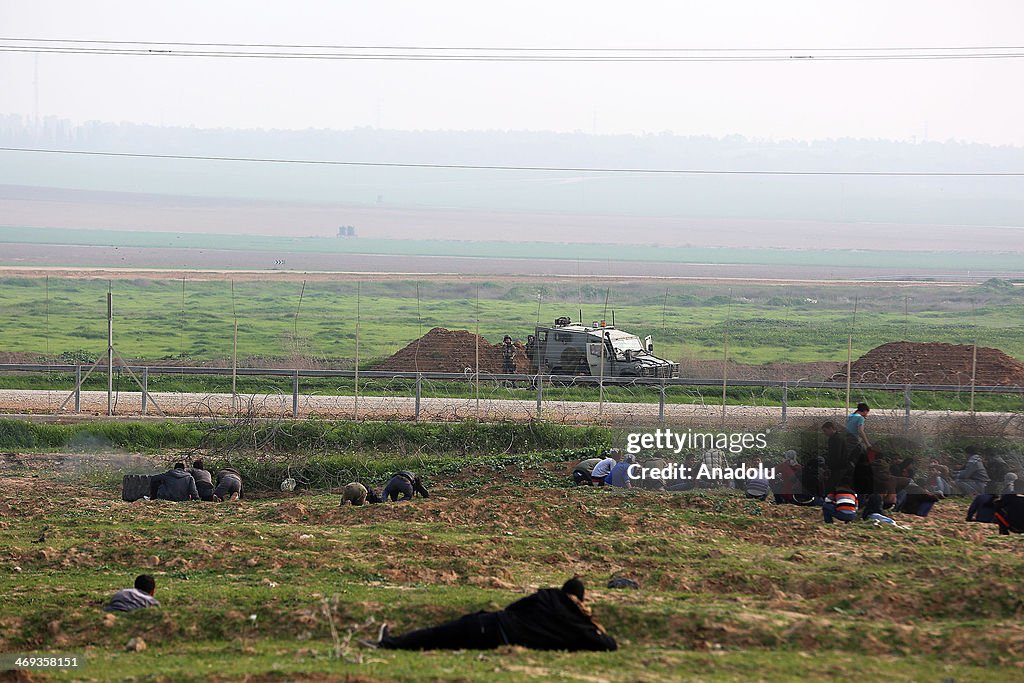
540	394
145	389
419	391
78	388
661	402
785	400
906	407
295	394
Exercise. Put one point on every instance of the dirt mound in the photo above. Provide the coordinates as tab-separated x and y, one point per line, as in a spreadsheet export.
935	363
442	350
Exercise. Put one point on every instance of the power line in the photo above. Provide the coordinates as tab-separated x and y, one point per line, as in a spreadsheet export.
514	54
515	48
492	167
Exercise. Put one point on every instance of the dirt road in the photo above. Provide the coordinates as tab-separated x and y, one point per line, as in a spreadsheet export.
129	404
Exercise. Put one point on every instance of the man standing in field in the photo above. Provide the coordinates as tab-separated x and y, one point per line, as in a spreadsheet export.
837	458
855	435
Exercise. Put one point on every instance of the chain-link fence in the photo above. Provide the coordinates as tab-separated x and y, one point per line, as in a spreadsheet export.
433	349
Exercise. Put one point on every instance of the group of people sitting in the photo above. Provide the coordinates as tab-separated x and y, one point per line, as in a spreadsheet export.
180	484
548	619
850	479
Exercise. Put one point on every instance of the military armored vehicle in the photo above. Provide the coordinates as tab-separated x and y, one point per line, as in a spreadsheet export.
568	348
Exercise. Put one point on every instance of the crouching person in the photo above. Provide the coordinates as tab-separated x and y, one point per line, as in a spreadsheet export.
356	493
139	597
176	484
229	485
404	484
204	480
1009	511
550	619
841	505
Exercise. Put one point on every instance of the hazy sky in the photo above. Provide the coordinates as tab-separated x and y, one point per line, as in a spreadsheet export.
973	100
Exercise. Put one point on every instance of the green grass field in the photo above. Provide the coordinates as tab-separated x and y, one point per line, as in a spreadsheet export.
281	588
157	319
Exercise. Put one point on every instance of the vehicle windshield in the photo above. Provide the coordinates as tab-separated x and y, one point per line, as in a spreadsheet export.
623	342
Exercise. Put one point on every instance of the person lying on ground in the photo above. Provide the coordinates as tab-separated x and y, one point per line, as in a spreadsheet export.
841	504
550	619
405	484
229	485
175	484
604	468
139	597
204	480
1009	511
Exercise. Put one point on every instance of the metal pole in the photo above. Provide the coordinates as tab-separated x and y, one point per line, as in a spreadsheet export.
110	354
145	389
785	400
78	389
356	411
419	391
234	354
906	407
540	394
600	394
477	361
295	394
661	402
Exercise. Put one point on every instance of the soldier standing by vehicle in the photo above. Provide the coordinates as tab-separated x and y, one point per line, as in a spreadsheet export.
508	356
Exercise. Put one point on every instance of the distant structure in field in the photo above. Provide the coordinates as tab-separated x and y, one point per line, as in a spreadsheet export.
346	231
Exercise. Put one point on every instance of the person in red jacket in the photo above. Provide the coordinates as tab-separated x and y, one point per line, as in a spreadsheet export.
550	619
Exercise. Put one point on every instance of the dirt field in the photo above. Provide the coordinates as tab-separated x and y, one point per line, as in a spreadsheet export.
54	207
31	260
282	588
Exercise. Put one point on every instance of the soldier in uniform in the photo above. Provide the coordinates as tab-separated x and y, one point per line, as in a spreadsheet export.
508	356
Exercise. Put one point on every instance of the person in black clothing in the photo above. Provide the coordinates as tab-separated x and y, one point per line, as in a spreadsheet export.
982	509
550	619
1009	511
204	480
176	484
405	483
837	459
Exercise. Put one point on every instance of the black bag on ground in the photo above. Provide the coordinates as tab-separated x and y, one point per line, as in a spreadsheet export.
134	487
